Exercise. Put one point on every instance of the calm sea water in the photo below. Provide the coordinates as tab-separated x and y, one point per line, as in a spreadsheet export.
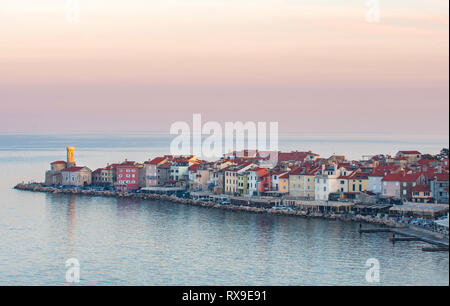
131	242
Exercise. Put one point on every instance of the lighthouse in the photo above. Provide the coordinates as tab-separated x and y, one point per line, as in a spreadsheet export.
70	157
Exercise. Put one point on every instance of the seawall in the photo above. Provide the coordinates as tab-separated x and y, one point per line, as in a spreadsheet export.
156	197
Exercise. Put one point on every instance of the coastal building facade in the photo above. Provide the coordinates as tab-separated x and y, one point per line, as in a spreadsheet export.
127	176
76	176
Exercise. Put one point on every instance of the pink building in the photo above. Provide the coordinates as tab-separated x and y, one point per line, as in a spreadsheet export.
127	176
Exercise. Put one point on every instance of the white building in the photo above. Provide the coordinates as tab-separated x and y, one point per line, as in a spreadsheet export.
76	176
326	182
179	171
375	183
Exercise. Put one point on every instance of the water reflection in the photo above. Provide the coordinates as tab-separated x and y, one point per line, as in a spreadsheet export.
71	219
128	241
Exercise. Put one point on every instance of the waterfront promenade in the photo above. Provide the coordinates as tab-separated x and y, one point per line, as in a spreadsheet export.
36	187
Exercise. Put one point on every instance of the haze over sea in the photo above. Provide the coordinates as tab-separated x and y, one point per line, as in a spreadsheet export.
132	242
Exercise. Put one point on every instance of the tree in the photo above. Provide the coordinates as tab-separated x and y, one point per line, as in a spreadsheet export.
443	154
429	157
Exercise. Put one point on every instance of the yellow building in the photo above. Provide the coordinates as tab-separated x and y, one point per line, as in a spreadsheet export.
358	182
301	183
422	193
283	183
242	183
231	181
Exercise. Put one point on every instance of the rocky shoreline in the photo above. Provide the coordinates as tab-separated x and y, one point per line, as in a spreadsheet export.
156	197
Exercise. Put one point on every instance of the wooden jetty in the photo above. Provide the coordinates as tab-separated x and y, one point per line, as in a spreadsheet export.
394	239
435	249
375	230
408	234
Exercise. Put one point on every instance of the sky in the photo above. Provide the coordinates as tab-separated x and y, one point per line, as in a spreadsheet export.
140	65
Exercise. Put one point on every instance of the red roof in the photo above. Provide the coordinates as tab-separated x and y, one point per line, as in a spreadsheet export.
193	167
58	162
401	177
421	188
425	162
127	164
156	160
359	176
382	170
294	156
164	166
109	167
285	176
442	176
260	171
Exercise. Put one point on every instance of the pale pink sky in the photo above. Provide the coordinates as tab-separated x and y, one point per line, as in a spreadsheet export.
140	65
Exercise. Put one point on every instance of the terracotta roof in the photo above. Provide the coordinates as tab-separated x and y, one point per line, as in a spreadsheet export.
58	162
127	164
109	167
294	156
442	176
421	188
194	167
285	176
359	176
164	166
425	162
401	177
382	170
156	160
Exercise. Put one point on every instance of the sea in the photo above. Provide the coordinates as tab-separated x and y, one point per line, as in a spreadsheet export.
136	242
